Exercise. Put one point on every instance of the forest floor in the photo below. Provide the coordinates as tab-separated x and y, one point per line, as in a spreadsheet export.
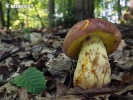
42	48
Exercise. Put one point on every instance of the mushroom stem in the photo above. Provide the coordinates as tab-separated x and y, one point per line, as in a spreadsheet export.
93	69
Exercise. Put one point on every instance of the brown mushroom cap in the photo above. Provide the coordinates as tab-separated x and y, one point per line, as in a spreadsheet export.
109	34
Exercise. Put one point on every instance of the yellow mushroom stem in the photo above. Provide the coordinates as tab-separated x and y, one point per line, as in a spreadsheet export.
93	69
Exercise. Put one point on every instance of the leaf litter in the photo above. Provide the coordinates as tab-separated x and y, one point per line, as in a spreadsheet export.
43	50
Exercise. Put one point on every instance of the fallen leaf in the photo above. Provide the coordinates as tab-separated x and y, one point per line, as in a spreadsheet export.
23	95
61	89
60	66
35	38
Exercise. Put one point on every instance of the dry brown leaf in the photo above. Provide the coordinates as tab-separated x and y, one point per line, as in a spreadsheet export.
27	63
35	38
61	89
23	95
122	45
59	66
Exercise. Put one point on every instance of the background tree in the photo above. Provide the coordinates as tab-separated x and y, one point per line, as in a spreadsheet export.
65	9
8	15
63	13
51	12
119	9
2	21
38	13
83	9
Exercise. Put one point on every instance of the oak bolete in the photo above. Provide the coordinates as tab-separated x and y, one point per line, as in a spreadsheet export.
90	41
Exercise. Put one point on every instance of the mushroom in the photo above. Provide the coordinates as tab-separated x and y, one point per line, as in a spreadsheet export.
91	41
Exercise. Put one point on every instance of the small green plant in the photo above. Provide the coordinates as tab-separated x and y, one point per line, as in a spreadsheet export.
26	30
31	79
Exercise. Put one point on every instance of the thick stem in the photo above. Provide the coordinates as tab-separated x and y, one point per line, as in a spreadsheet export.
93	69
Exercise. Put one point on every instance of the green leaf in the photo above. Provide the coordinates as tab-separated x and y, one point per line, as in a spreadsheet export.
32	79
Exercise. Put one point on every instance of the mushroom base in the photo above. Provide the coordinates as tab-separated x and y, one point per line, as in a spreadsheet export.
93	69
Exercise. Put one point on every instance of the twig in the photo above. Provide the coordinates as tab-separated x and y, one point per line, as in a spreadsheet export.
19	50
9	55
93	92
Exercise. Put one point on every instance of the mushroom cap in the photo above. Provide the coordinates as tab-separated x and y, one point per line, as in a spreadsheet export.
109	34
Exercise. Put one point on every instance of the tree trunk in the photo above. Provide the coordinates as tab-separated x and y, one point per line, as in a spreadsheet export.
8	15
2	21
39	16
119	9
83	9
51	12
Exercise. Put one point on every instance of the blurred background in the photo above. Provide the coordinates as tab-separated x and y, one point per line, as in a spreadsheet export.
18	14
